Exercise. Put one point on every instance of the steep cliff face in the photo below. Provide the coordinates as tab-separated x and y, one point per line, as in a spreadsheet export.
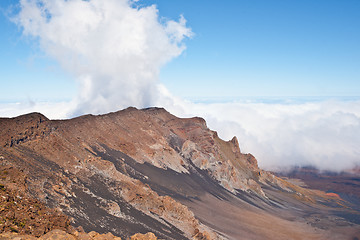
149	171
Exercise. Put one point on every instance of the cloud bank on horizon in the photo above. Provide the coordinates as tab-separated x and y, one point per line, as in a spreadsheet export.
115	49
320	134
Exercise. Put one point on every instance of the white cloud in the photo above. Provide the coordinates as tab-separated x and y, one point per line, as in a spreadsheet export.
113	48
52	110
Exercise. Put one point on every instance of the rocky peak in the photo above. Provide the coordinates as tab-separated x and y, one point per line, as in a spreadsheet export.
22	129
235	144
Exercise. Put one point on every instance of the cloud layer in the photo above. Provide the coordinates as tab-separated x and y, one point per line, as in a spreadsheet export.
115	50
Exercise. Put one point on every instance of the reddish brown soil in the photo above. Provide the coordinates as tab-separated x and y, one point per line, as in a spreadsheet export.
21	213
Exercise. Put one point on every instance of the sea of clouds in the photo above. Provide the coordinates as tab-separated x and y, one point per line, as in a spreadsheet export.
114	50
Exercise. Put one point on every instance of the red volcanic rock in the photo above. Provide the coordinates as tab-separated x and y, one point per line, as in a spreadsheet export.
333	195
20	213
22	129
57	234
147	236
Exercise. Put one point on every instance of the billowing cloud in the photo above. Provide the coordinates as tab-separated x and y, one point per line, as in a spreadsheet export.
113	48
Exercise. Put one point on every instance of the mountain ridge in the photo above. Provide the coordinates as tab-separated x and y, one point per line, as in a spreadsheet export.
149	170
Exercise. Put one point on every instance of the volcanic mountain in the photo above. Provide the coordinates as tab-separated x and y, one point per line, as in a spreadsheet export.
138	171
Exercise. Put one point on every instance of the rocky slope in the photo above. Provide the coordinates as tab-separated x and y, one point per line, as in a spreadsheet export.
57	234
343	185
23	217
20	213
139	171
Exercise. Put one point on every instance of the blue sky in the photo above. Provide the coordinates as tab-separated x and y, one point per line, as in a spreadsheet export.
267	48
25	71
239	48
